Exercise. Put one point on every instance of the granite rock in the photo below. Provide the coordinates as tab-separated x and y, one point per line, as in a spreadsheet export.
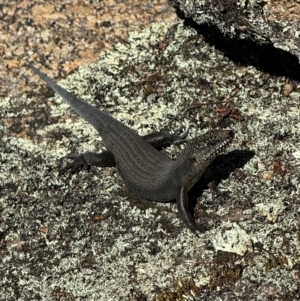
263	21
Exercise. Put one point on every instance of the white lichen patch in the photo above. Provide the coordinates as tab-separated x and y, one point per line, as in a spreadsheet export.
103	243
234	240
271	211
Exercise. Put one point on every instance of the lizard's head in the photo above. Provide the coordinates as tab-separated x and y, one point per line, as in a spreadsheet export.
211	144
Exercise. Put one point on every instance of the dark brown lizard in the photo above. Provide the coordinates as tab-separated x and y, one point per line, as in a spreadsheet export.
146	171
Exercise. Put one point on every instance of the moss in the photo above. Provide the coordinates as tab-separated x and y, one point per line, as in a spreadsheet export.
188	289
274	262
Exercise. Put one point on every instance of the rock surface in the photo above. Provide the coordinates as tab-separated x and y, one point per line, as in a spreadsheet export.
265	21
85	237
67	33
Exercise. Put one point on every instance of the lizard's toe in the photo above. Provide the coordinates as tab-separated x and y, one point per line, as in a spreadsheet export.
76	165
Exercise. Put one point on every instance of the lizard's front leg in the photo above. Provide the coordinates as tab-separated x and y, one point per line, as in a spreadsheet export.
209	178
164	137
87	159
106	158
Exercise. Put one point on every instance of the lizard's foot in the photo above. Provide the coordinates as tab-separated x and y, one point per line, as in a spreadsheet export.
216	193
179	136
76	165
198	228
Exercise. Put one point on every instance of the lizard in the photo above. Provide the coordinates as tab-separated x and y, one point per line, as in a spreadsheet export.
145	170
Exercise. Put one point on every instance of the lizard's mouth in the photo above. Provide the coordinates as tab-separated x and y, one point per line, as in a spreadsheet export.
217	144
230	135
228	139
221	138
221	144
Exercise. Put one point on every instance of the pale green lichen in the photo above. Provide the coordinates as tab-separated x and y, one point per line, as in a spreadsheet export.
106	244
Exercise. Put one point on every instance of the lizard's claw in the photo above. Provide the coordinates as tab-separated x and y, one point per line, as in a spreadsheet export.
198	228
178	137
215	192
76	165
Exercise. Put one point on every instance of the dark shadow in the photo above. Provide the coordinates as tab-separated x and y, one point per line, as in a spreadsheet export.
264	57
225	164
222	167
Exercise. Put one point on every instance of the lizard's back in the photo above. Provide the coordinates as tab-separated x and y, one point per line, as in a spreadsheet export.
144	170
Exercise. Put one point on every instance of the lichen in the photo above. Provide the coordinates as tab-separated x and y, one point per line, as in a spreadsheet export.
103	243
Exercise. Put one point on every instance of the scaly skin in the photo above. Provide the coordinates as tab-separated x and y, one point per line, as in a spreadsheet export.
146	171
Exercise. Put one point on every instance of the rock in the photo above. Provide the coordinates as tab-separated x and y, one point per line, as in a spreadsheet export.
263	21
